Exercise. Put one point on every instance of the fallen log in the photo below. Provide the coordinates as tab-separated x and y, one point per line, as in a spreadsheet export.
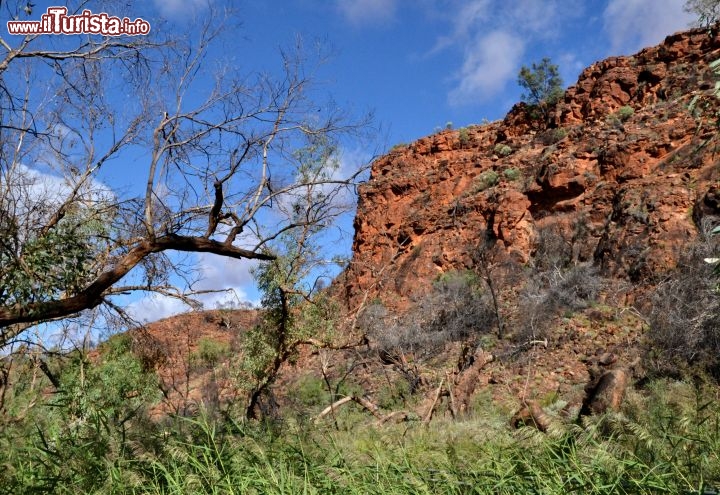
531	414
606	393
453	409
467	381
395	416
366	404
429	414
606	389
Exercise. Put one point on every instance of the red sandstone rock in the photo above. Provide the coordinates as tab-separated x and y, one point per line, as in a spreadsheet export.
638	186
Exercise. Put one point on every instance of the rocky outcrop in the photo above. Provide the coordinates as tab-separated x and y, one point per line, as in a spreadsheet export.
625	169
623	165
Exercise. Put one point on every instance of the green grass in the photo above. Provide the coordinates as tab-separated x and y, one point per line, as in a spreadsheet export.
476	456
666	440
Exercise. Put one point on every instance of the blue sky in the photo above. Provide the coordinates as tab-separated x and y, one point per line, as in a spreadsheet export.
422	63
417	64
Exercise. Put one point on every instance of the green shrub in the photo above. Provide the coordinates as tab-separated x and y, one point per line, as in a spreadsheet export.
665	440
625	113
552	136
559	135
486	180
456	277
463	136
311	391
392	394
512	174
543	85
398	147
502	149
668	444
210	352
75	439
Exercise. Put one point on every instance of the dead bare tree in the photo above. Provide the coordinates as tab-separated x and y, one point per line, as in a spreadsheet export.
220	158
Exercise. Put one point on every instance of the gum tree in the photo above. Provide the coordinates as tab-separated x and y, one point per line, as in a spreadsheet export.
707	11
542	83
216	151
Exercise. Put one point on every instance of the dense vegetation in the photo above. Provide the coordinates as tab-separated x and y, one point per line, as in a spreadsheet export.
93	435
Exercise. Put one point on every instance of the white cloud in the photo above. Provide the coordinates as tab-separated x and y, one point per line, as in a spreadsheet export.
539	17
34	196
177	9
349	162
470	14
635	24
489	64
218	272
570	66
493	35
232	278
155	307
367	11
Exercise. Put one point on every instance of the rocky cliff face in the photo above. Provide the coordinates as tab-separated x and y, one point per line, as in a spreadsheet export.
625	166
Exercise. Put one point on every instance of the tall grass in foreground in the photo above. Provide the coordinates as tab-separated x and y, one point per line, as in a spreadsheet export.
667	440
449	459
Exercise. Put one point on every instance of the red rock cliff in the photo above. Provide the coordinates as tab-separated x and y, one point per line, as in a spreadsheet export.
623	164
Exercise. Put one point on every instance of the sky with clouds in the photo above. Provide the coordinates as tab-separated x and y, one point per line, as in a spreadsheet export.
422	63
417	64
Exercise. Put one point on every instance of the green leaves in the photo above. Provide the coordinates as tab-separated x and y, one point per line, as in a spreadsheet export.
542	82
707	11
715	67
50	264
78	435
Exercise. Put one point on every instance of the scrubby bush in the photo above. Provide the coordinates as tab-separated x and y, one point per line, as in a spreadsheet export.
463	136
398	147
684	314
512	174
70	434
548	294
486	180
209	352
310	391
457	308
543	86
552	136
557	283
502	149
624	113
616	119
542	83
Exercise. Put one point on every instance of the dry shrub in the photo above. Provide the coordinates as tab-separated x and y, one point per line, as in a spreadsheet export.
684	315
548	294
456	309
556	283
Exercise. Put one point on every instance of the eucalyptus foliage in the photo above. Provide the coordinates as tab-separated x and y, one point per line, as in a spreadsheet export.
542	83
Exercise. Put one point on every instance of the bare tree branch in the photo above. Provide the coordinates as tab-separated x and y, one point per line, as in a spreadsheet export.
93	295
